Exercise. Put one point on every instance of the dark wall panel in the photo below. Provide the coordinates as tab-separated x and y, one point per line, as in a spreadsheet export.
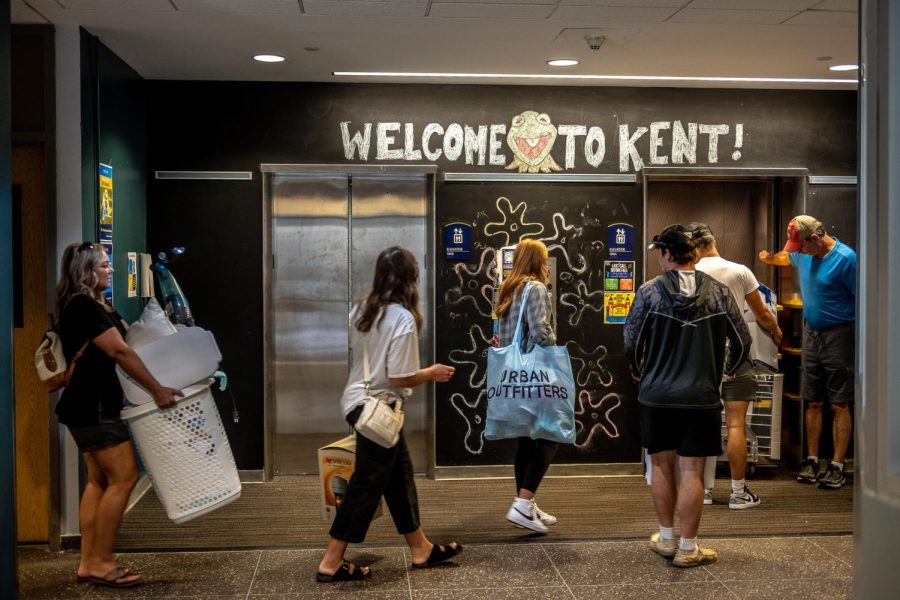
121	143
571	219
220	225
238	126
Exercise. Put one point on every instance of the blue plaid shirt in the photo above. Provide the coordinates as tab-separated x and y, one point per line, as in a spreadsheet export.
537	322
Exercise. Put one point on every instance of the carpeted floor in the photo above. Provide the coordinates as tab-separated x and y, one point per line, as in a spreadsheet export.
286	513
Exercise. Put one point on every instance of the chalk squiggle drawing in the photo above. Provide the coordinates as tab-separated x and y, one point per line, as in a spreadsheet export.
513	223
600	415
589	365
554	243
560	227
581	302
473	281
473	420
475	356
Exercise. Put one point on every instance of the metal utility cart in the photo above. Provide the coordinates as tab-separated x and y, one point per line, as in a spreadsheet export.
763	423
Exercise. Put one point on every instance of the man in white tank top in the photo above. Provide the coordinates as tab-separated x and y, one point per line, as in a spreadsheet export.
738	392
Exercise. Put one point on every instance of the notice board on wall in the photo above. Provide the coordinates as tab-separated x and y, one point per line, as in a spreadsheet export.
572	220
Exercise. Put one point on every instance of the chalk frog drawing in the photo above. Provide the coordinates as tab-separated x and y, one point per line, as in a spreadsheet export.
531	138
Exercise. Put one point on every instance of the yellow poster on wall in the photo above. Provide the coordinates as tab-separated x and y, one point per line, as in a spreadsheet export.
616	307
105	218
106	195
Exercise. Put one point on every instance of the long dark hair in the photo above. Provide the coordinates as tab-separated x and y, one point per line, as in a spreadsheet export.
396	281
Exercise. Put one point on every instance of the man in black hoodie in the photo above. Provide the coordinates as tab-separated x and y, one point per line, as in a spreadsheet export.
675	340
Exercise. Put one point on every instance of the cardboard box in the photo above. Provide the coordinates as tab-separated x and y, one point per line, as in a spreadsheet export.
336	463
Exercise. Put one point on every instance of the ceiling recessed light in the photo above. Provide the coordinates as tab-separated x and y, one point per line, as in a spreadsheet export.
843	67
268	58
562	62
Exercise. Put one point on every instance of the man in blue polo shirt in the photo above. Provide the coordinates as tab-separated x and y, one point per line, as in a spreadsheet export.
827	270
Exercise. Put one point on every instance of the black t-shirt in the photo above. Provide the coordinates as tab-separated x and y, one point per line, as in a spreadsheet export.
93	392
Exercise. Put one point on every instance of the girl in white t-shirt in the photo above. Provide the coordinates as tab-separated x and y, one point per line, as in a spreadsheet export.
386	322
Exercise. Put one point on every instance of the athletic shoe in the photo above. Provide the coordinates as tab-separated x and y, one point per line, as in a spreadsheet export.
667	548
545	518
809	471
700	556
745	499
527	519
833	479
707	496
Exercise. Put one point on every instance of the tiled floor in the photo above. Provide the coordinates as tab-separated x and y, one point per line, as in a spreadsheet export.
794	568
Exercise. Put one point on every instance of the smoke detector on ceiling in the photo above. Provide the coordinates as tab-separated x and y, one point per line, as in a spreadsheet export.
594	41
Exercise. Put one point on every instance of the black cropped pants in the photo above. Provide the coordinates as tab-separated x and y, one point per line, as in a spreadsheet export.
533	458
379	472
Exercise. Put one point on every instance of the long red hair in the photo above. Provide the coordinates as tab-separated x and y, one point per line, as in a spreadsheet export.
529	262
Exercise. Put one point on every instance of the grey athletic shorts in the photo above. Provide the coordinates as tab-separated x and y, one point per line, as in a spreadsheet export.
743	386
828	363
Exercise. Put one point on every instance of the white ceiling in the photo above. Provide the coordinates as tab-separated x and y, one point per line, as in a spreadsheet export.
215	39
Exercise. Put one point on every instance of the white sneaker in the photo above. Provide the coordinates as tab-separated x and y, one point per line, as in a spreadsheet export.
525	518
707	496
545	518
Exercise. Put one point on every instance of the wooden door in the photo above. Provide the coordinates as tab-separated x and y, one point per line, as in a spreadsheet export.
30	304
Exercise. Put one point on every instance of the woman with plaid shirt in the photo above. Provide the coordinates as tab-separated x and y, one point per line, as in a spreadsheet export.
533	457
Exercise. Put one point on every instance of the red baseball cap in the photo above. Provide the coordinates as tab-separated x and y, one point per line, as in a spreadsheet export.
800	228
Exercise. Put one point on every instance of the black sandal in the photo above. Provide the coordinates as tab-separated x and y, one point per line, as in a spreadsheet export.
439	553
346	572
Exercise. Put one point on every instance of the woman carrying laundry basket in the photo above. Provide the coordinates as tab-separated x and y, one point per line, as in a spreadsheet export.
385	341
92	334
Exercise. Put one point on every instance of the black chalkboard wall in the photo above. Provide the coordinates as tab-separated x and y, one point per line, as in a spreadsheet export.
238	126
571	219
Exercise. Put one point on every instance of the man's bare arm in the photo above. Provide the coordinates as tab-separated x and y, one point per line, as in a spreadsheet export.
779	259
763	316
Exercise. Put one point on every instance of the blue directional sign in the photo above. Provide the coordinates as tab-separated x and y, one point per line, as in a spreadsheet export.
457	241
620	245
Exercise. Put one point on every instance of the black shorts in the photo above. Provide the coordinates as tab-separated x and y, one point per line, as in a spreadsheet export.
828	363
688	432
104	434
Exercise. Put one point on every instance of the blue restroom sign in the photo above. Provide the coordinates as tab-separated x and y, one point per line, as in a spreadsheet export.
457	241
620	244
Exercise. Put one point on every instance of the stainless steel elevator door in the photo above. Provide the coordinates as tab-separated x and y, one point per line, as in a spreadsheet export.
391	211
327	231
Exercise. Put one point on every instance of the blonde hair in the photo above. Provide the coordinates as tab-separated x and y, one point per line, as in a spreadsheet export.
529	260
76	272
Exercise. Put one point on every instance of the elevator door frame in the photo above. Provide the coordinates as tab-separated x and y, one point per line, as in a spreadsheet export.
268	172
795	205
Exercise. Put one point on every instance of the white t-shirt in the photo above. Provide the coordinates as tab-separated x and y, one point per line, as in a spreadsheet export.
739	279
393	348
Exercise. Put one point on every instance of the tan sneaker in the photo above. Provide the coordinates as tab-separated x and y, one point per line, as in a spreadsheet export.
700	556
667	548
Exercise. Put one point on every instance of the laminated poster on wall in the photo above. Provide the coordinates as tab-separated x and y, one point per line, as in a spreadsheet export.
618	276
105	218
616	306
132	274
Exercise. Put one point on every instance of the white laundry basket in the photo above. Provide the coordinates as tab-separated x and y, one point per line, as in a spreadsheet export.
186	453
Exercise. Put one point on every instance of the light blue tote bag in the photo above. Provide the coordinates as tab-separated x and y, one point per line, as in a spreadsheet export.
530	394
